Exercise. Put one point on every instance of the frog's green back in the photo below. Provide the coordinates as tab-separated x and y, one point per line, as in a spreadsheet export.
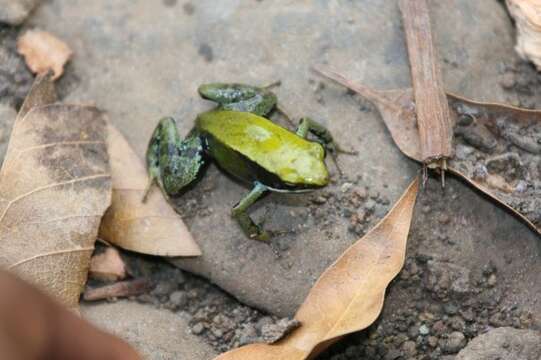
292	158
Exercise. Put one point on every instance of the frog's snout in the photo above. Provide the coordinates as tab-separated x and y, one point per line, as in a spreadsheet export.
322	177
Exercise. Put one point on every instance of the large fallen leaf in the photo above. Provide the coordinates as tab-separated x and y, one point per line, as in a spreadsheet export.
55	185
44	52
497	147
349	295
152	227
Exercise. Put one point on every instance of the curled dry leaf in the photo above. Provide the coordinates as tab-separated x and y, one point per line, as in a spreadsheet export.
44	52
497	147
349	295
527	14
107	266
55	185
152	227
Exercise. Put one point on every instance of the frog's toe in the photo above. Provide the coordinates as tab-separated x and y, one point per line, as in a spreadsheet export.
261	235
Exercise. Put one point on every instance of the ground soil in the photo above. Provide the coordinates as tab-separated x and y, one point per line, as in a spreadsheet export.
433	308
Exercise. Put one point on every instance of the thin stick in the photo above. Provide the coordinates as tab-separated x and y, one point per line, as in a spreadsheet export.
118	289
433	118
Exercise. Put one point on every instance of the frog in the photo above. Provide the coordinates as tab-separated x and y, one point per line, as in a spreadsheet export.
241	139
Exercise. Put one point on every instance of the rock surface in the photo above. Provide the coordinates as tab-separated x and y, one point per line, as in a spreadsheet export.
504	343
139	71
155	333
14	12
7	118
15	78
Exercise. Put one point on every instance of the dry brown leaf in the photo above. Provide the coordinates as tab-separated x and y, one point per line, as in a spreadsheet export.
44	52
107	266
496	146
55	185
152	227
349	295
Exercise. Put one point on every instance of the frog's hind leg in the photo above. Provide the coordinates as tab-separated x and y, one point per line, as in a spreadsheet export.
174	163
324	136
250	228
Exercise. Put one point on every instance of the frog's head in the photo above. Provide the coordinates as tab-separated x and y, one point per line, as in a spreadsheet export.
307	169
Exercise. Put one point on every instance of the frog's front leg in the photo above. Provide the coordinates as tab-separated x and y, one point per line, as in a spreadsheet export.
307	125
250	228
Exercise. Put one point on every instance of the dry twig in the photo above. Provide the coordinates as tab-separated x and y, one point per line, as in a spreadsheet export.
433	119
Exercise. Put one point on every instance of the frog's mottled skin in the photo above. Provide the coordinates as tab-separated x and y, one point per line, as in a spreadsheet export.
243	143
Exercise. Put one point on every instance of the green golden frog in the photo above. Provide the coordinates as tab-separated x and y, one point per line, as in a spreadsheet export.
238	136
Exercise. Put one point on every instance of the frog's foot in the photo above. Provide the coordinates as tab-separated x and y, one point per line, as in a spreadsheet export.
250	228
324	137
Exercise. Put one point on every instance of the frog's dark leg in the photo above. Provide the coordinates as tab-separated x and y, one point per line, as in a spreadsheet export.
181	162
240	97
171	162
250	228
324	136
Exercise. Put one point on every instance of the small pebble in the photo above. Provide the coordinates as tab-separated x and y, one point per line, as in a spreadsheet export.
409	348
198	328
370	205
424	330
450	309
163	288
361	193
432	341
319	200
508	80
444	219
454	342
345	187
178	298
